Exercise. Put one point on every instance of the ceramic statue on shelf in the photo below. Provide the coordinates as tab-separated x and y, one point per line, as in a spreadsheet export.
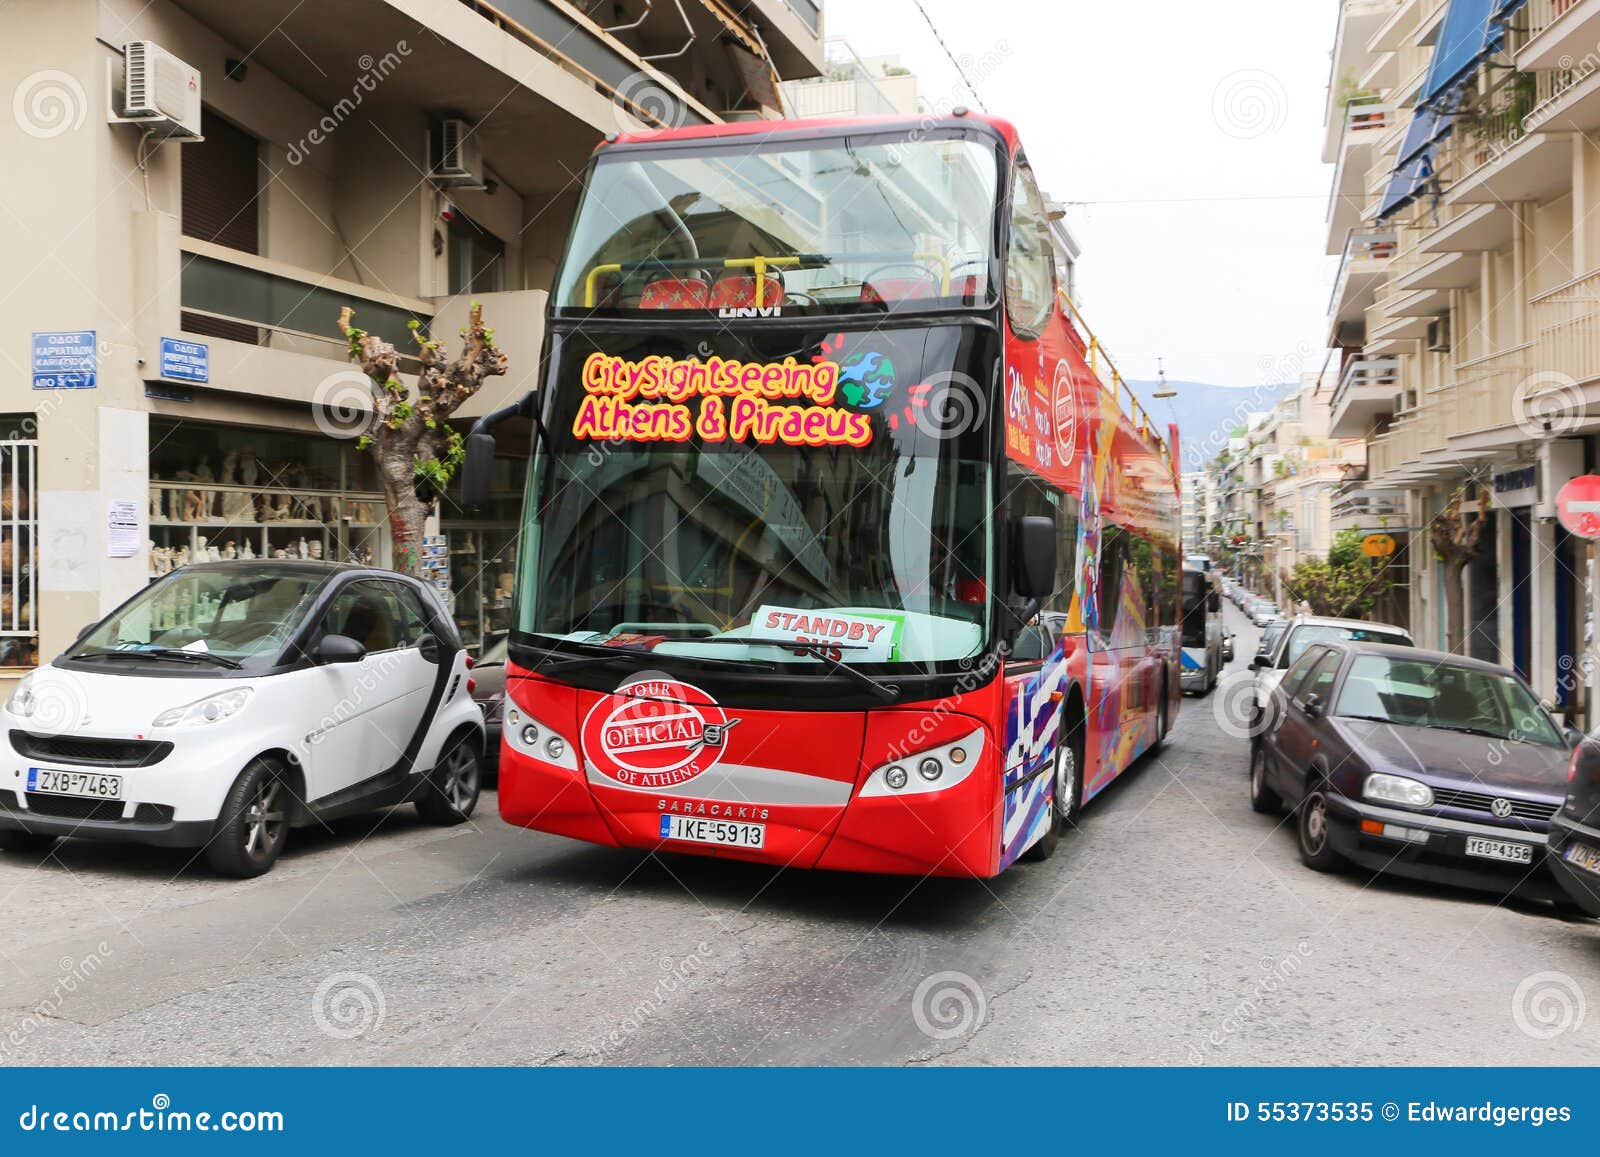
248	550
215	554
208	498
201	551
249	468
181	559
279	552
230	552
316	549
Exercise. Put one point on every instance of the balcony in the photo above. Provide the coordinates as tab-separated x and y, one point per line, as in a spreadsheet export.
1567	322
1367	255
1368	510
1367	390
1469	229
1557	30
1491	158
1365	122
1485	394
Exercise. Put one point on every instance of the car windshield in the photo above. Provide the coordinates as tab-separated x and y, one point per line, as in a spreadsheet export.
1306	634
204	618
1423	693
858	223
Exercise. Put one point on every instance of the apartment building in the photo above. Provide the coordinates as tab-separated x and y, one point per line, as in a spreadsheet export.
1467	305
193	190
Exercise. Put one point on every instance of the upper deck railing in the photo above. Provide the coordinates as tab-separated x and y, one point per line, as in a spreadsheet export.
1111	379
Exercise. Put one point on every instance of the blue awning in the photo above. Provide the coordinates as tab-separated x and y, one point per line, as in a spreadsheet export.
1407	184
1428	128
1469	33
1507	7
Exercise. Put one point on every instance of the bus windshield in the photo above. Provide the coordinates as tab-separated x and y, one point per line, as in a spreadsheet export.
820	226
883	553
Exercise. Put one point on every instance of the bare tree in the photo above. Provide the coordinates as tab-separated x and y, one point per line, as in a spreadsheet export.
411	439
1455	538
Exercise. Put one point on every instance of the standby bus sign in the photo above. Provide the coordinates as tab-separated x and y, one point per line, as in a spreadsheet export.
64	361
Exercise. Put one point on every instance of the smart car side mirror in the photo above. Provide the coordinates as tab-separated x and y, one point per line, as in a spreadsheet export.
339	649
1260	662
1312	707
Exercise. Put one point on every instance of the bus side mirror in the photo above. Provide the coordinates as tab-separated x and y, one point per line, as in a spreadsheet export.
1033	555
476	471
1213	602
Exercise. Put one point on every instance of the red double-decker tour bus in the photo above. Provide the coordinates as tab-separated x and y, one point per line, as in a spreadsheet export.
840	548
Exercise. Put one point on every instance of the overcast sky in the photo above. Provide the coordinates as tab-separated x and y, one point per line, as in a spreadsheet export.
1192	131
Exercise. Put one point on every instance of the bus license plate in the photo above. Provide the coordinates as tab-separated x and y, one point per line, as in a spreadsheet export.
719	832
1583	856
85	784
1500	850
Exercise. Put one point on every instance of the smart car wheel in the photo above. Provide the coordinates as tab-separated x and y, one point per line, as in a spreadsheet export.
254	824
1316	846
450	792
1262	798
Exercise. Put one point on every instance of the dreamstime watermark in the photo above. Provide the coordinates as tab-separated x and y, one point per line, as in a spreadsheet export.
676	976
948	405
54	703
1548	1004
948	1005
645	96
373	73
49	103
348	1005
1236	706
1548	404
341	405
1250	103
1276	975
976	67
73	975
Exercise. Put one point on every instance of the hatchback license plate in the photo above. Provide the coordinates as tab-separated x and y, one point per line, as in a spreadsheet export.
1499	850
1583	856
719	832
84	784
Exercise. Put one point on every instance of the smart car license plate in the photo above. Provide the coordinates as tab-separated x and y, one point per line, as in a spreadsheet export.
86	784
1499	850
1583	856
720	832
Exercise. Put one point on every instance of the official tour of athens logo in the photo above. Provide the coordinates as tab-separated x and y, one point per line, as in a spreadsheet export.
655	733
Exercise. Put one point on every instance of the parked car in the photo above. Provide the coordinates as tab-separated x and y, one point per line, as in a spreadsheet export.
1227	647
1270	636
1264	613
1575	829
1290	641
230	702
1413	763
489	673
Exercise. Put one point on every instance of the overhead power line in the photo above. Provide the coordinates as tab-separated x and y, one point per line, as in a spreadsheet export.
960	71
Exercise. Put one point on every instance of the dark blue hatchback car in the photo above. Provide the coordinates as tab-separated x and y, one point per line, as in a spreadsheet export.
1414	763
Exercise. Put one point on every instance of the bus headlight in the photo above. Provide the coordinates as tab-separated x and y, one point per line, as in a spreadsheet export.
529	737
938	769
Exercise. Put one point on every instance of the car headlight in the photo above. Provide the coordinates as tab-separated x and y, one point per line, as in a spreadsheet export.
211	709
21	703
1397	789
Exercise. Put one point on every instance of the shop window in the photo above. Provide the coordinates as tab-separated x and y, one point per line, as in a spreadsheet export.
483	555
19	551
223	492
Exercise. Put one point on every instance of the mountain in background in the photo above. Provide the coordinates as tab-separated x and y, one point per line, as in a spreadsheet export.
1206	413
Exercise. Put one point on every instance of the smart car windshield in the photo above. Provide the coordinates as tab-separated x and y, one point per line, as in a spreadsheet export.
206	618
1416	693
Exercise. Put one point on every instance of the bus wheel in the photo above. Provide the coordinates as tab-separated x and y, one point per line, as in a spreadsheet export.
1162	708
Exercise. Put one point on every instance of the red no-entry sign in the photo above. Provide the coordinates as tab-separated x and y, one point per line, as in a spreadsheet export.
1578	505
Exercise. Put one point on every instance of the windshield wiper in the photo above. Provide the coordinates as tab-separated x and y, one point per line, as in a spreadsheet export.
1465	730
601	651
888	692
164	653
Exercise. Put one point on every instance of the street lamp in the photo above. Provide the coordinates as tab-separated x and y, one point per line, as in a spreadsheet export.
1163	390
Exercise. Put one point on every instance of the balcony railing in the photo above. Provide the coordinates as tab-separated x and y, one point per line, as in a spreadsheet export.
1567	322
1362	372
1541	14
1484	395
1368	249
230	294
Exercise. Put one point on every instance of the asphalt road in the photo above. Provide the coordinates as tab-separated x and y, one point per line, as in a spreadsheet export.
1174	927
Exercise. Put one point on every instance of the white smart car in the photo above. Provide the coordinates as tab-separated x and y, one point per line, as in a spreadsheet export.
229	702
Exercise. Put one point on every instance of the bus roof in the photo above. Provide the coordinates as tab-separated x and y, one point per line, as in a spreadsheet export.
817	126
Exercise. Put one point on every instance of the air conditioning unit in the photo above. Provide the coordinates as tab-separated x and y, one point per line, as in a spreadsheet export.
454	159
157	90
1439	336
